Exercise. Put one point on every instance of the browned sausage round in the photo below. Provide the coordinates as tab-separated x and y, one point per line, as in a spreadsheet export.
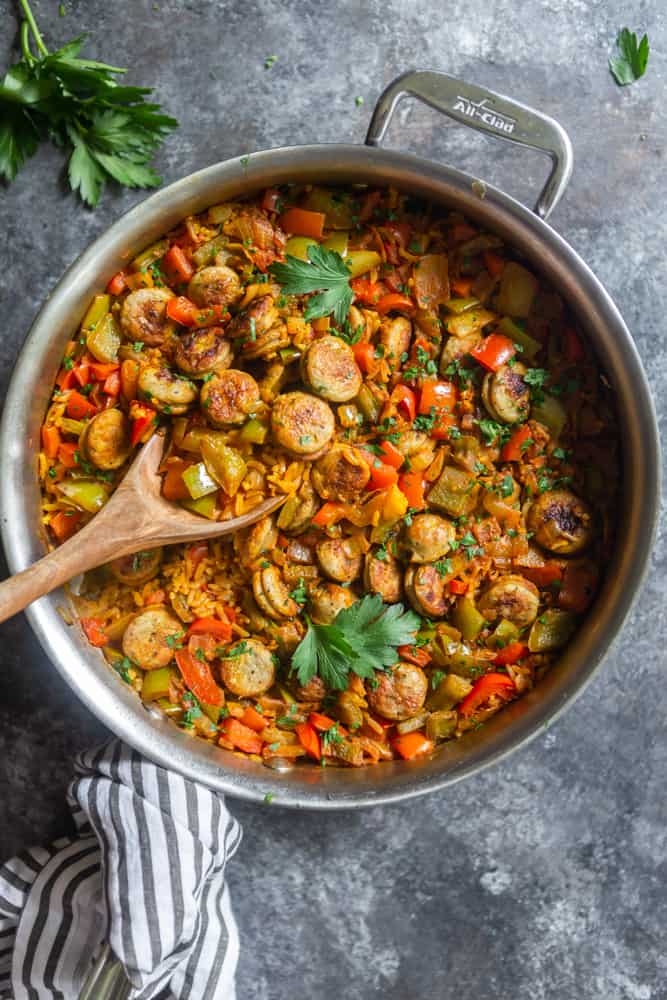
301	423
106	440
251	671
511	597
215	286
339	559
145	638
327	600
200	352
383	576
427	590
428	538
341	474
143	316
505	394
329	369
165	390
399	693
271	593
254	320
562	522
395	336
229	397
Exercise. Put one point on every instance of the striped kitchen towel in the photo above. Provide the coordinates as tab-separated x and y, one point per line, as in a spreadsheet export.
144	878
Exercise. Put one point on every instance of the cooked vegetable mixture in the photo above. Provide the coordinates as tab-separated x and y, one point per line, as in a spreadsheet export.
439	427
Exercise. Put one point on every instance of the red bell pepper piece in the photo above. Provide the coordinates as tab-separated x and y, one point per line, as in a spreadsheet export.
50	440
546	575
118	283
241	736
143	418
461	231
271	200
328	514
494	351
511	653
439	397
415	654
364	355
382	476
198	678
112	384
176	266
68	454
458	587
511	451
411	485
488	686
404	399
302	222
100	372
394	302
253	719
322	723
462	287
78	407
309	739
182	310
411	745
391	455
64	524
195	554
366	291
211	626
369	204
95	633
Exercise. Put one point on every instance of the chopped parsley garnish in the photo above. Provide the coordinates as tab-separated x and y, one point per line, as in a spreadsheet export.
300	592
363	638
493	431
630	62
436	677
230	654
326	273
535	378
173	641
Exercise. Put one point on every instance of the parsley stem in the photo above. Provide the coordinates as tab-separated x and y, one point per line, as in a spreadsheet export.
39	41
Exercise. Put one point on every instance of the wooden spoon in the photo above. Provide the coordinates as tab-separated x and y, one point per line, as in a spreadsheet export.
136	517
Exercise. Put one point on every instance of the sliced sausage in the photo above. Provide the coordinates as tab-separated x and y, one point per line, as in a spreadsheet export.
383	576
562	522
266	345
418	447
229	398
297	513
272	594
258	329
341	474
145	638
339	559
329	369
257	541
287	635
138	568
395	337
428	538
399	693
165	391
428	590
314	690
215	286
505	394
200	352
302	424
143	316
251	671
327	600
511	597
106	440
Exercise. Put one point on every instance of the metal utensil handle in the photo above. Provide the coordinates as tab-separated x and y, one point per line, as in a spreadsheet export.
485	111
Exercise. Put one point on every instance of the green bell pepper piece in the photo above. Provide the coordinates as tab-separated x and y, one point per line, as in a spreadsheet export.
86	494
441	725
156	684
467	619
455	492
198	481
551	630
98	308
254	432
205	506
551	413
514	332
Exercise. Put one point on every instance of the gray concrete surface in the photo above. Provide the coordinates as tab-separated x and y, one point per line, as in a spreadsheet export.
545	877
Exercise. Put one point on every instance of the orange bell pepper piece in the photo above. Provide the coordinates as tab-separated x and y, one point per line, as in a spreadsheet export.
94	631
309	740
411	745
241	736
302	222
50	440
176	266
198	678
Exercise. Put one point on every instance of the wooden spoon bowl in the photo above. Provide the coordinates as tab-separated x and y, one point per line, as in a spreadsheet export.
136	517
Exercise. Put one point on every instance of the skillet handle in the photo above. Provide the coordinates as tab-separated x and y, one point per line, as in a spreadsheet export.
485	111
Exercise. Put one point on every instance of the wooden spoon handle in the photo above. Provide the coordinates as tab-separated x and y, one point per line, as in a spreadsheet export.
75	556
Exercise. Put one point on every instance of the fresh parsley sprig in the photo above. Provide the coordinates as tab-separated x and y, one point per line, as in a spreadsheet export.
326	273
630	62
111	131
362	639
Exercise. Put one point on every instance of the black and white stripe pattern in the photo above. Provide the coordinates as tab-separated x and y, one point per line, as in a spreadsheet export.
145	874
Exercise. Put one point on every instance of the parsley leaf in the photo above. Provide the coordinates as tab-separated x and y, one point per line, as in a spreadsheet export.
632	58
110	131
326	273
363	638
